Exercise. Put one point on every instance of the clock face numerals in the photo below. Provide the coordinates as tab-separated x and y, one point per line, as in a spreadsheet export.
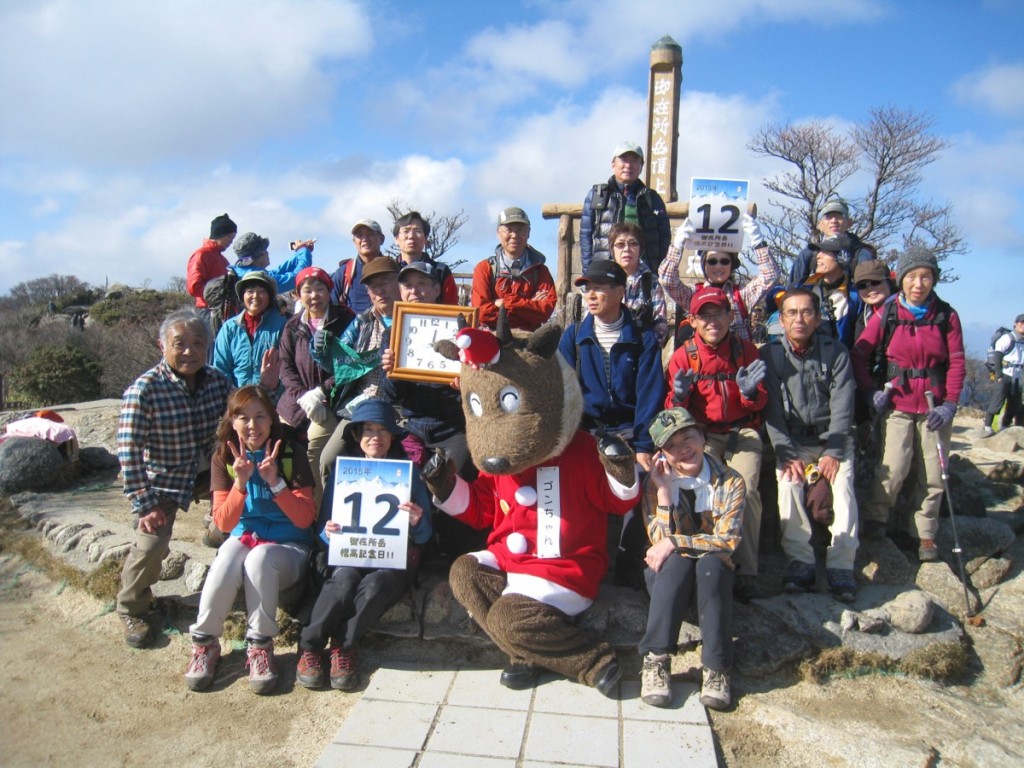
419	332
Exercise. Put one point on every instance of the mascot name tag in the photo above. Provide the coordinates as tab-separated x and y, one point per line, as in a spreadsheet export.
549	513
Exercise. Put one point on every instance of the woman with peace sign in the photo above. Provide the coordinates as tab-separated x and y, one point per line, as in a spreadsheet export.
263	496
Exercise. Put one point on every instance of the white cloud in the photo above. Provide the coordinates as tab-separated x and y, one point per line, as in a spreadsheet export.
998	89
122	82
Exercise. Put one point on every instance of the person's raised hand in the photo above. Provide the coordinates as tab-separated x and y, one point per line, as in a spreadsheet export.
242	465
268	467
682	383
684	232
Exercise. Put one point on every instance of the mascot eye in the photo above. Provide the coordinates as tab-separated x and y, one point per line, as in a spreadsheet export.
475	405
509	399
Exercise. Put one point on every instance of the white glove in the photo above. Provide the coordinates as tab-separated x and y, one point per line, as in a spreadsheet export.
753	230
315	405
683	233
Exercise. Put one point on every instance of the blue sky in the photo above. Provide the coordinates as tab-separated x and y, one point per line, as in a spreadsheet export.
127	126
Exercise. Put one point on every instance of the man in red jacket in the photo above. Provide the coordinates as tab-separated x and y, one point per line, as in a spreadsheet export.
719	378
207	261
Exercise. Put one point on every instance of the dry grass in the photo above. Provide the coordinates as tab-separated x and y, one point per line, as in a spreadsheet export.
942	662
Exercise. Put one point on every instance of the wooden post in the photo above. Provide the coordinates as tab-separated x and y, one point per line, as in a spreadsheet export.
663	91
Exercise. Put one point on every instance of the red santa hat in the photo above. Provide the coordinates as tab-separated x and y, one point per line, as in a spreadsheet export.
477	348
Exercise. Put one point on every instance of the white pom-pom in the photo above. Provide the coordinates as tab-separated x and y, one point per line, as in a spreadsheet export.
463	341
516	543
526	496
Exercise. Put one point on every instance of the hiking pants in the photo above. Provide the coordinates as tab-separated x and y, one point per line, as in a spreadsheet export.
264	570
741	451
141	569
527	630
796	522
671	589
909	446
350	603
1008	392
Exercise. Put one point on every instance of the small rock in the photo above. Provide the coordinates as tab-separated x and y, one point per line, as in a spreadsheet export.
173	566
988	572
195	575
910	612
849	621
872	620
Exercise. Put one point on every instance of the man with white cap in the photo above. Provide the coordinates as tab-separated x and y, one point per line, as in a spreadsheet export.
624	198
348	290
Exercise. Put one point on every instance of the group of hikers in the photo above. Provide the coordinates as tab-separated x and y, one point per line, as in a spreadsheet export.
863	371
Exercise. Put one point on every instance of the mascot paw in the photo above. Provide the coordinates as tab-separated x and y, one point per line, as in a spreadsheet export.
439	474
617	458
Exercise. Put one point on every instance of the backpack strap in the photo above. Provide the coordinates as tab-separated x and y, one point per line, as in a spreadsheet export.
693	356
891	321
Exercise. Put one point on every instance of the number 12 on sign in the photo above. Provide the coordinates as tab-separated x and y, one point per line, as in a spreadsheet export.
716	210
374	531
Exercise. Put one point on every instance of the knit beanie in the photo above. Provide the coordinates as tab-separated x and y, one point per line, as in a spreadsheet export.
222	226
916	256
250	247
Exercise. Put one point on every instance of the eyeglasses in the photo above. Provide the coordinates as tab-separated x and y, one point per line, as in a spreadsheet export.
718	262
867	284
791	314
711	315
624	244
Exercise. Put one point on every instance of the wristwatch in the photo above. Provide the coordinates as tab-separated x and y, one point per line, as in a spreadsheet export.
279	486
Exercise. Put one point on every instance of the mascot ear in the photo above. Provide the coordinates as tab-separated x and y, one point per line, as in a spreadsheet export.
502	330
544	341
447	348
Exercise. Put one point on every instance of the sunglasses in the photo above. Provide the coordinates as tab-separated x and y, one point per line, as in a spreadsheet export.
718	262
867	284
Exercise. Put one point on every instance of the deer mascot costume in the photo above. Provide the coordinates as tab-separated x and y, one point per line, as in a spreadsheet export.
545	489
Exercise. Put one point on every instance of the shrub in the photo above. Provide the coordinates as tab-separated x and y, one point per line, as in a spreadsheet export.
53	375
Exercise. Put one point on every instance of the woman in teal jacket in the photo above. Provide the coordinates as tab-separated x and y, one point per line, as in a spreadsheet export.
246	347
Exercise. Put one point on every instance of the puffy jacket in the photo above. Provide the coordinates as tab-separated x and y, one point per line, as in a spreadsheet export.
517	293
920	349
299	372
633	395
285	272
237	356
596	225
205	264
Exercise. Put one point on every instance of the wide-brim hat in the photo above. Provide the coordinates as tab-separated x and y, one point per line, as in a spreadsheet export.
260	277
377	411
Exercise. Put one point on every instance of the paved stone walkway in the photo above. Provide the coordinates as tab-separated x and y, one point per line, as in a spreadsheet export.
464	719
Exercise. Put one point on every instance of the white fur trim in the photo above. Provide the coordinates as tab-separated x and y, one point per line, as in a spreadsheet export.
458	502
626	493
548	592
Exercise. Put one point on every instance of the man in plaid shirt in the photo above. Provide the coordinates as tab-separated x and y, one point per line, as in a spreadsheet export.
164	438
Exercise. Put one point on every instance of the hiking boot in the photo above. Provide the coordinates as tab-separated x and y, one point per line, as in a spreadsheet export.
656	680
344	675
799	577
842	584
745	588
875	530
987	431
260	662
310	671
203	664
715	691
137	632
927	552
519	676
213	536
608	680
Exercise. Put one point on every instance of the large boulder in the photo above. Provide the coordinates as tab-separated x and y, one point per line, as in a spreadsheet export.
1009	440
31	464
980	537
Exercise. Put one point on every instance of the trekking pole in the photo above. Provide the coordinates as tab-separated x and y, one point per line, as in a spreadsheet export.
972	618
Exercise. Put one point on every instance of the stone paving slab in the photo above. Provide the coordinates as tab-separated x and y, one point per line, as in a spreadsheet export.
414	718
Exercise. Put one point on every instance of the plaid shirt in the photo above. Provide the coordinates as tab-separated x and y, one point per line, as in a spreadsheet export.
165	431
720	527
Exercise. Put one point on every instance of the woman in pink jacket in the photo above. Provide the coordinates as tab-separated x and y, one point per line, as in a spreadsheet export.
920	342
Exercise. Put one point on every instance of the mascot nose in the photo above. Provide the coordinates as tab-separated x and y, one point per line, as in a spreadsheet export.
496	465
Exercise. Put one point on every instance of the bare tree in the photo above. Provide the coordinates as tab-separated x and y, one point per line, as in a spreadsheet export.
59	289
444	230
890	149
176	284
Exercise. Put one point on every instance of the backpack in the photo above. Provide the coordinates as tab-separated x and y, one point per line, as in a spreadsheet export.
890	320
693	356
999	333
493	261
349	265
221	299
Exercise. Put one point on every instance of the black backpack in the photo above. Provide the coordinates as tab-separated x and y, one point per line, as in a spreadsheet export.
222	299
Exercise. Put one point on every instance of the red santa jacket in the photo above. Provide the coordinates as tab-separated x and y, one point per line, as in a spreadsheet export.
586	496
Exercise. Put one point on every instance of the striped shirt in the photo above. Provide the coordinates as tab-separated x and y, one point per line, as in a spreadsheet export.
165	432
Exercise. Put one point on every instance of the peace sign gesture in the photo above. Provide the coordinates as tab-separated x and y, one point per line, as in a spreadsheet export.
242	465
268	467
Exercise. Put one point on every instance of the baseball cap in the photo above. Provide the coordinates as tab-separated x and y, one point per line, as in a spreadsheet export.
624	147
872	269
513	216
709	294
602	271
257	276
835	206
382	265
369	224
667	423
317	274
424	268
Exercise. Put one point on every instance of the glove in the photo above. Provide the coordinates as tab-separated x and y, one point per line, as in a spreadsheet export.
439	474
617	458
683	233
940	416
682	384
320	339
753	230
613	446
315	405
880	400
749	376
